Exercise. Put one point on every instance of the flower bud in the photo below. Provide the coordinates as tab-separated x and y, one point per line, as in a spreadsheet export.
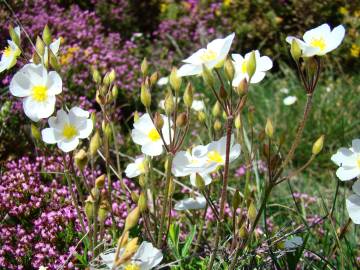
242	88
171	187
128	252
134	196
236	200
112	76
154	78
208	76
229	70
144	67
40	46
243	232
252	212
188	95
46	35
216	110
103	212
123	239
199	182
36	58
201	116
89	208
145	95
311	65
142	204
222	93
142	181
106	128
295	50
107	79
136	116
132	219
114	91
96	76
93	118
318	145
175	80
53	61
158	121
100	181
217	125
181	120
81	159
238	122
35	133
251	64
14	36
169	103
95	143
269	129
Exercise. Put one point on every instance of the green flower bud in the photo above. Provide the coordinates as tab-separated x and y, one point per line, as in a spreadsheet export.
134	196
142	181
154	78
132	219
175	80
158	121
40	46
81	159
208	76
93	118
242	88
103	212
46	35
95	144
238	122
295	50
142	204
169	103
236	200
89	209
35	133
100	181
145	95
199	182
243	232
14	36
269	129
36	58
136	116
188	95
114	91
216	110
201	116
251	64
318	145
144	67
252	212
96	76
53	61
217	125
229	70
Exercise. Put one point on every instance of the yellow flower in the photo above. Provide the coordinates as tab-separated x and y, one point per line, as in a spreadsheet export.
355	50
67	57
227	3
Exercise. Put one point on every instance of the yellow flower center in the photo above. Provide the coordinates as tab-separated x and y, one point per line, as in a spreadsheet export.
208	55
318	43
69	131
244	67
39	93
8	51
215	156
154	135
132	266
141	167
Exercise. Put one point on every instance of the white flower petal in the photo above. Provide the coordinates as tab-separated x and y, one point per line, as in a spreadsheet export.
189	70
132	170
190	204
152	149
356	187
54	83
289	100
353	207
54	46
68	146
48	135
356	145
86	131
347	173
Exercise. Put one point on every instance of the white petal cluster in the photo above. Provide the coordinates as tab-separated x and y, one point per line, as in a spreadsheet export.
289	100
38	88
191	204
353	203
348	160
263	64
198	105
145	134
10	53
203	159
145	258
67	128
320	40
136	168
212	56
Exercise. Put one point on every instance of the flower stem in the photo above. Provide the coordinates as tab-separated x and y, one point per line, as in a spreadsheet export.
229	124
167	185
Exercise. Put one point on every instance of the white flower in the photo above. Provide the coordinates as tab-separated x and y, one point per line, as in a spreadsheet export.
163	81
320	40
349	161
66	129
289	100
145	258
10	53
191	204
293	242
263	64
145	134
216	152
191	162
136	168
198	105
213	56
38	88
284	90
353	203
